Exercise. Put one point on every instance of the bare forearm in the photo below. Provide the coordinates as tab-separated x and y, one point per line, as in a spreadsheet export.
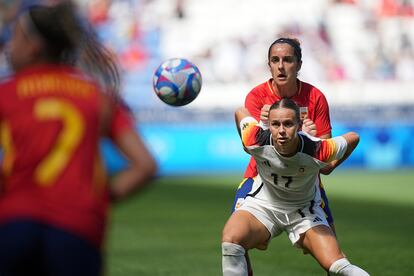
352	139
239	115
142	166
131	180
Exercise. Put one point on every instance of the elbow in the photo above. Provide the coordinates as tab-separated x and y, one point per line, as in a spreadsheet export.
151	169
328	169
144	171
135	177
240	111
325	172
355	137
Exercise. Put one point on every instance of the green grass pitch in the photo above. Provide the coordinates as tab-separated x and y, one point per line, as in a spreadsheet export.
174	227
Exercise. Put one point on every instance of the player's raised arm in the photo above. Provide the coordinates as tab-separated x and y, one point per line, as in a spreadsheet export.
352	140
239	115
249	129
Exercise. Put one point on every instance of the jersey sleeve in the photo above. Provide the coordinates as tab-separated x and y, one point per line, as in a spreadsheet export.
253	105
322	119
250	130
121	120
332	149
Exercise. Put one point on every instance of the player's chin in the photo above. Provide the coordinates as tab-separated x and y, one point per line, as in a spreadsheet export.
282	141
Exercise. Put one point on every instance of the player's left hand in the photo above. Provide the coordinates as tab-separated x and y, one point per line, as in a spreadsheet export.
309	127
264	114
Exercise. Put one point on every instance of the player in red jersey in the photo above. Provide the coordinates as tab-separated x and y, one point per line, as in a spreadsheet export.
54	192
286	201
285	61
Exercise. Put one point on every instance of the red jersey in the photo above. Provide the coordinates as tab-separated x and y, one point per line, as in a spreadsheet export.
52	119
311	101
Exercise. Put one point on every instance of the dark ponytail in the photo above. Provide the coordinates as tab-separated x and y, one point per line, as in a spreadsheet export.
71	40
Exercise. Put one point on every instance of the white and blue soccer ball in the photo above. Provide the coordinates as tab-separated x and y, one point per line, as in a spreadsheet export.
177	82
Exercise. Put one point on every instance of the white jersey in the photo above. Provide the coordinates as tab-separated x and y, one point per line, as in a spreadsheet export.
288	183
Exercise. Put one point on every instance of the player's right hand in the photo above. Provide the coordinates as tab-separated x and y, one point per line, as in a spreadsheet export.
264	114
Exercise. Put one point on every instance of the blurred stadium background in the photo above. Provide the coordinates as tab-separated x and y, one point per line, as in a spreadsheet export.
360	53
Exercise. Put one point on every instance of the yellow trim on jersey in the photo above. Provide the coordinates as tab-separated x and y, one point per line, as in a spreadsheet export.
6	142
244	181
241	183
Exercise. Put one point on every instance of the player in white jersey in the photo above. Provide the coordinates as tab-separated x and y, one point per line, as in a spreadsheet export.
287	199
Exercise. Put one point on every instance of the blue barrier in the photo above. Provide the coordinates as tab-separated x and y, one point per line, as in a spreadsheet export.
188	149
192	149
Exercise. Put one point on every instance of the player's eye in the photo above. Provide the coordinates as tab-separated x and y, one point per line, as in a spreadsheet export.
275	123
289	59
288	124
274	59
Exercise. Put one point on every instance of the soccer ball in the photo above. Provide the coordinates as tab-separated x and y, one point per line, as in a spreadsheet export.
177	82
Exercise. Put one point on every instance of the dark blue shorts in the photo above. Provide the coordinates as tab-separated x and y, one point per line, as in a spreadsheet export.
246	186
32	248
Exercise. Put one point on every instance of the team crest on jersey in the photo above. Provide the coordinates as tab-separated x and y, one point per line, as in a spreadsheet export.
301	170
239	203
303	112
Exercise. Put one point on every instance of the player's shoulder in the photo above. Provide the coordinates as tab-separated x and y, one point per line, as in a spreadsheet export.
310	144
6	84
6	79
253	134
310	89
260	138
324	150
260	88
264	138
